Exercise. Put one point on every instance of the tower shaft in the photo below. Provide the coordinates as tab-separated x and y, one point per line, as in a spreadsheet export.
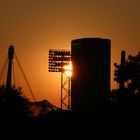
9	73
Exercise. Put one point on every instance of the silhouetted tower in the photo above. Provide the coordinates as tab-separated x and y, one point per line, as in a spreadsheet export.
90	83
121	84
9	73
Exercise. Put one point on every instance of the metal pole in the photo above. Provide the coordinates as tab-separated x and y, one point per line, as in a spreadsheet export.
9	73
122	71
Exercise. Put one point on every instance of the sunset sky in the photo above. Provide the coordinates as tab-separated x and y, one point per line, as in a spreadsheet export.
35	26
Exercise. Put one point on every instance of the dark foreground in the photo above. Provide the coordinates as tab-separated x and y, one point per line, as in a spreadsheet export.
99	124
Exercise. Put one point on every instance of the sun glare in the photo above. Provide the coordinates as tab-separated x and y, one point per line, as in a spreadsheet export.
68	69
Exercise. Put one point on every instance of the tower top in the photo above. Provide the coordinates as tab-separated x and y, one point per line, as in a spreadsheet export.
89	39
11	52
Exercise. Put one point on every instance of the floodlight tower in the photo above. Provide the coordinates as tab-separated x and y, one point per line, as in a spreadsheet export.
59	61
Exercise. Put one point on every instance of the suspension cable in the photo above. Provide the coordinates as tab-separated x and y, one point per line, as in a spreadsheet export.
14	79
21	69
3	70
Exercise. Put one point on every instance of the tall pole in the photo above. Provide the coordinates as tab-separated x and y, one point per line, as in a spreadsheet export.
122	71
9	73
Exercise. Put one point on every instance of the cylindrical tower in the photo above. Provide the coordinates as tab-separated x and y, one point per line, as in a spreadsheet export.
90	83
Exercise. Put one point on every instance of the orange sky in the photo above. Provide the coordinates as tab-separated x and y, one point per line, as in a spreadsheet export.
35	26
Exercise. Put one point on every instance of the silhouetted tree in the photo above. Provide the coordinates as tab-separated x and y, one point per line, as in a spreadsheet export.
131	74
128	100
12	102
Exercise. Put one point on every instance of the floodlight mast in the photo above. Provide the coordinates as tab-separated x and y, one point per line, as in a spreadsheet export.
57	60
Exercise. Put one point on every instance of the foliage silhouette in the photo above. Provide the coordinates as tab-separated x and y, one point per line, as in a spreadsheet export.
128	99
12	102
131	74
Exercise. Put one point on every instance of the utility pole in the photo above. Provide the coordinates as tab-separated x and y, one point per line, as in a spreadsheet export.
121	85
9	73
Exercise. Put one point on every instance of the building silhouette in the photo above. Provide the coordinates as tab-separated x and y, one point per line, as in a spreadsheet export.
90	83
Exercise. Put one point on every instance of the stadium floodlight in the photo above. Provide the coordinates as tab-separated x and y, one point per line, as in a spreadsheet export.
58	59
68	69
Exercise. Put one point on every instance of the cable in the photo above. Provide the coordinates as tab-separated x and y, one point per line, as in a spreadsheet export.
14	79
3	70
25	77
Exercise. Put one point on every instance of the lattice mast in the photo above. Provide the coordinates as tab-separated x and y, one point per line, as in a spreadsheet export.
57	60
